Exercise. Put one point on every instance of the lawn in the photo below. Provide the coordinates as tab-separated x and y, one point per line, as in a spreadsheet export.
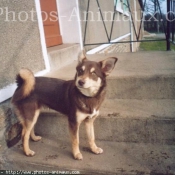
155	45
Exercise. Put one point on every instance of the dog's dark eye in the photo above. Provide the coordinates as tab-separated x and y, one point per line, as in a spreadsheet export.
80	71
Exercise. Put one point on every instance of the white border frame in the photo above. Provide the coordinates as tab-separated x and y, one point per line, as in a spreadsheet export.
42	38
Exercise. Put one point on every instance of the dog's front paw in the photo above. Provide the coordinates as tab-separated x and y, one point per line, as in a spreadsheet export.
30	153
78	156
97	150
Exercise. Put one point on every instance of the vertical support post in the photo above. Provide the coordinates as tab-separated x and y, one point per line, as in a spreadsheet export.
173	16
168	26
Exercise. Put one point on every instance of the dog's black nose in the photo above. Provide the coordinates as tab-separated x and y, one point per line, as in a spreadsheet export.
81	82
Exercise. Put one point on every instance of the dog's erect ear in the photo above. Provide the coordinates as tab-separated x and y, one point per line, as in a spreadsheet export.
108	65
82	56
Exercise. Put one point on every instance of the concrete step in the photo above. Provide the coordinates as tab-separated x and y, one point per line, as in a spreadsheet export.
62	55
53	155
121	120
136	75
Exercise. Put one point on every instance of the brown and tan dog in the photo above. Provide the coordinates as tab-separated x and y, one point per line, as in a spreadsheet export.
79	99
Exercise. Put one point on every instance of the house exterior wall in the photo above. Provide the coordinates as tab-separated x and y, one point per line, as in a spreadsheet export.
20	47
20	39
95	32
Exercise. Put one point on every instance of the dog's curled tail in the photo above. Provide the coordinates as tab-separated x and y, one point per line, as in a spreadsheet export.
25	84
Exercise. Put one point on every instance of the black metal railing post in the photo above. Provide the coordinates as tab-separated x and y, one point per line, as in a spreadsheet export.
173	23
168	26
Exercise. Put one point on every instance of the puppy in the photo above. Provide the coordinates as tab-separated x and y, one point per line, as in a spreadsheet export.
79	99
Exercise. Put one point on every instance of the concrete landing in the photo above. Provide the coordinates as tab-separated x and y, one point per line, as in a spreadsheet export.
118	158
137	64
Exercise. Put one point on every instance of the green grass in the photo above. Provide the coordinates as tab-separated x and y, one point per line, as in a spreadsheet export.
155	46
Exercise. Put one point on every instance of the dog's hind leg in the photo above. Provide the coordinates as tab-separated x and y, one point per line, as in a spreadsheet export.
27	128
33	136
89	123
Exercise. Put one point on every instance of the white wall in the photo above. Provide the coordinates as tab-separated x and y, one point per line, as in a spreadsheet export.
68	19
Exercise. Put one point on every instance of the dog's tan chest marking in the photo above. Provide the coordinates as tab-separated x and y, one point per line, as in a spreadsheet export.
82	116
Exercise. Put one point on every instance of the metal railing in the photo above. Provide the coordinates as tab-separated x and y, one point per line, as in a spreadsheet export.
167	22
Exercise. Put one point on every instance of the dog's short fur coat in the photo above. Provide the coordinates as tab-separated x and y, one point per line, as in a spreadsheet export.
79	99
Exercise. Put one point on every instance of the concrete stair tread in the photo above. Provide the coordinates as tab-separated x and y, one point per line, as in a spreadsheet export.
118	158
121	120
135	108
